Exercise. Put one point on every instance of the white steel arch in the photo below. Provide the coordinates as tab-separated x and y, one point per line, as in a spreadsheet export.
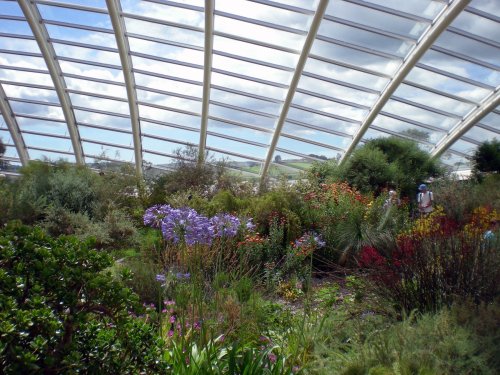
468	121
311	35
115	13
13	127
425	42
42	37
207	76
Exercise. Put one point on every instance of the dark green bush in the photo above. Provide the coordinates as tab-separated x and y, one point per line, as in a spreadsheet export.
389	162
61	312
487	157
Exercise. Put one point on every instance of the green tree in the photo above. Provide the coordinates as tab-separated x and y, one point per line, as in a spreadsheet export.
2	148
391	161
487	157
2	152
367	169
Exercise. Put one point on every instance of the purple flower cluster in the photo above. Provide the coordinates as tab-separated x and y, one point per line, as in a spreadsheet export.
154	215
250	226
185	224
310	239
225	225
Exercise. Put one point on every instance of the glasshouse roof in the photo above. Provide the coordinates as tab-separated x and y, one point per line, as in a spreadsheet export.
270	86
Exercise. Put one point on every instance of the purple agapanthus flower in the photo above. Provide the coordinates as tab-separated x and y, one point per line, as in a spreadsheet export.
250	226
310	239
225	225
161	278
154	215
185	223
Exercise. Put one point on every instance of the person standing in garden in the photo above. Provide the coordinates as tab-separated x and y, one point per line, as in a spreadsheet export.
392	200
425	200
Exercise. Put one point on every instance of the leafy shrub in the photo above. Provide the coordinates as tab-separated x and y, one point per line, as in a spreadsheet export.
73	188
339	213
115	231
487	157
437	261
368	170
285	204
388	161
445	342
61	311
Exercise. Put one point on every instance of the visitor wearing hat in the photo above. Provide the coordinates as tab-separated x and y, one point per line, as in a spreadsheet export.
425	200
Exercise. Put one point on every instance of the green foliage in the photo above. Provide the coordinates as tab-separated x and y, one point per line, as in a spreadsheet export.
487	157
434	343
217	359
73	188
321	172
188	174
433	272
284	203
69	199
243	289
2	147
225	201
61	311
368	169
438	343
482	321
459	198
391	161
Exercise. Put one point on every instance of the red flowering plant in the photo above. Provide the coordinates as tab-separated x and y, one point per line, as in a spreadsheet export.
437	261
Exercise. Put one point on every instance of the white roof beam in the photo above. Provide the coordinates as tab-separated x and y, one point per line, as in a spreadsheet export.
468	121
13	126
34	19
311	35
207	76
425	42
115	13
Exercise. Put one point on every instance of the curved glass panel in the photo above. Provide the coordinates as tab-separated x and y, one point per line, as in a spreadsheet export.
165	12
71	34
421	8
95	149
166	32
169	132
26	92
18	45
36	154
42	126
15	27
375	18
236	131
254	51
80	17
316	135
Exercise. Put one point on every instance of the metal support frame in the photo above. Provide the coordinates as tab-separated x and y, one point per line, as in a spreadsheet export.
311	35
467	122
34	19
207	76
425	42
115	13
13	126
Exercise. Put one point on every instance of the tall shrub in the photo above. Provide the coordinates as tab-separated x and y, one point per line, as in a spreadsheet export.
62	312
